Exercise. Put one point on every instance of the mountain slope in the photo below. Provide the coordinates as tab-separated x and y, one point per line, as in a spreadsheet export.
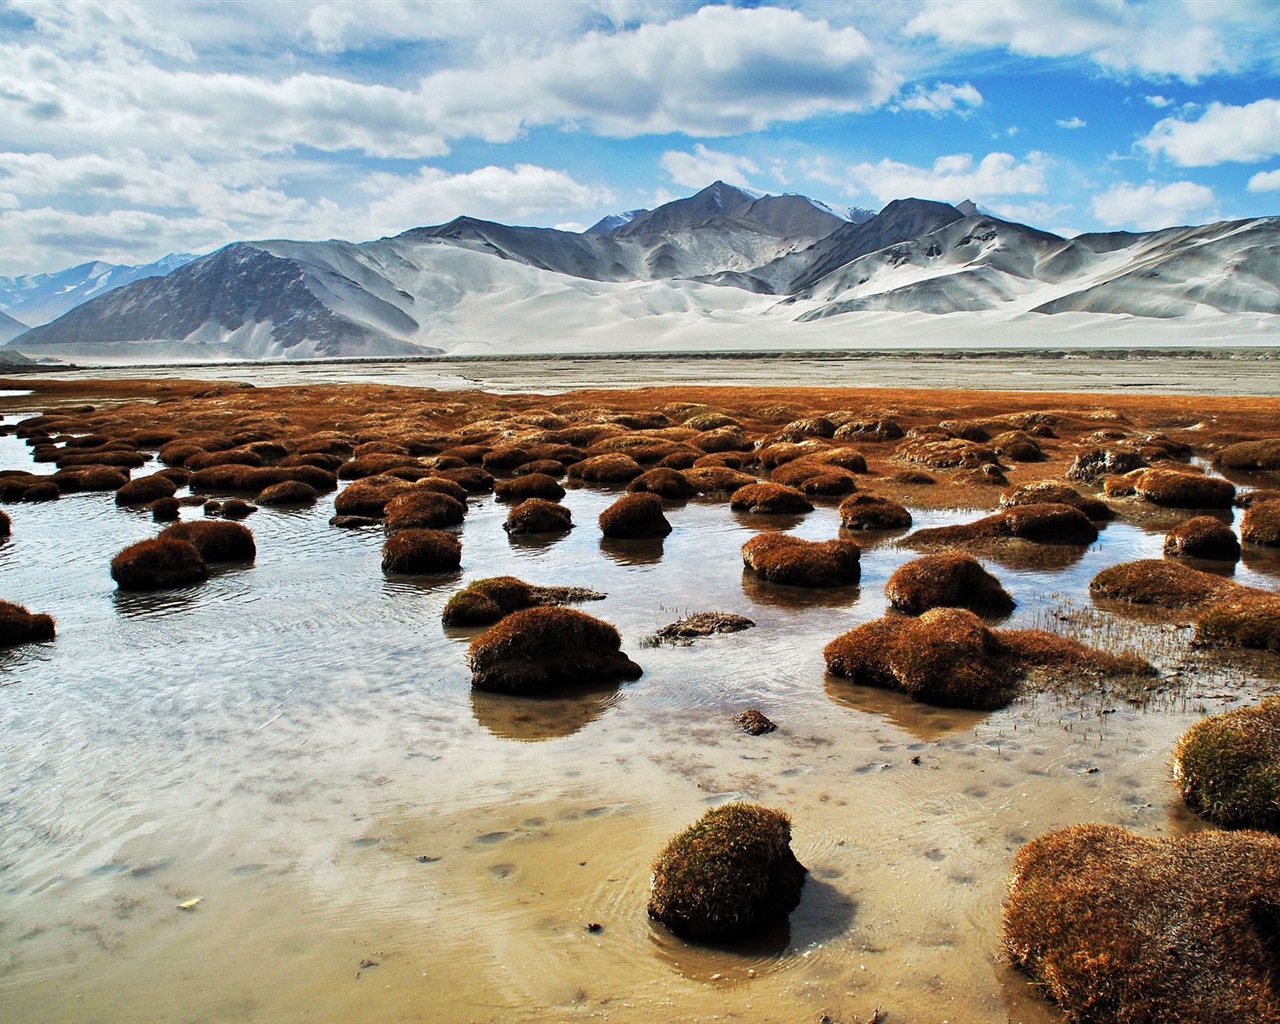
38	298
10	328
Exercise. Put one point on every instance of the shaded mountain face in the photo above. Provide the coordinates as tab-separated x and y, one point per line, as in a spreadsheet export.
725	258
38	298
9	327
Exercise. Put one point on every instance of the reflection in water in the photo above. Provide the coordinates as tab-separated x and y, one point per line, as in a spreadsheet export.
758	522
1026	555
632	551
924	721
531	719
870	540
150	604
780	595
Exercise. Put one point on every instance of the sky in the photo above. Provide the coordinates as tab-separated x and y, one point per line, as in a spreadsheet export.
131	130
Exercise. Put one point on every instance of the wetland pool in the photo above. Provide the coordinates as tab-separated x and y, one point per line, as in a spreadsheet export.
296	744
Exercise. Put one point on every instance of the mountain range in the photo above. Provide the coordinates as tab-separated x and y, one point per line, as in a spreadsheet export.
723	268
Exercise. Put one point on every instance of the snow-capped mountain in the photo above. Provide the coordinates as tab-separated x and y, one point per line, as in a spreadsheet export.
724	268
38	298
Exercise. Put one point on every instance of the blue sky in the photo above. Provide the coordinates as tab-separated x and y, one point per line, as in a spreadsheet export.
128	130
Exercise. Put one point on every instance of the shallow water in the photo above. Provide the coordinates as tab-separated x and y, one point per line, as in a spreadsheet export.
296	743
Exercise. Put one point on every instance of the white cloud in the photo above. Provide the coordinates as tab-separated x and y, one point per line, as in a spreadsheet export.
1072	122
1152	206
1153	39
952	178
1160	101
489	193
1265	181
703	166
943	98
1223	133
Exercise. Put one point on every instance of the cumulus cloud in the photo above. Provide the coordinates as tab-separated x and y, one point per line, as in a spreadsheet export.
1265	181
1152	206
703	166
1072	122
1159	39
943	98
952	178
1222	133
1159	101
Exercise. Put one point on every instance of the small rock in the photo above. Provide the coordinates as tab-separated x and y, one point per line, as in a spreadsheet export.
754	722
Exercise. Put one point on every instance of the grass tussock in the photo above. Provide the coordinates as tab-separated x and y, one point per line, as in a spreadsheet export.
369	496
1054	493
1157	582
1118	927
145	489
1251	620
1260	523
684	631
665	482
418	509
1173	488
612	468
158	564
287	493
793	561
485	601
727	875
769	499
537	650
947	579
1202	537
20	626
217	541
537	515
946	452
1040	524
718	479
1228	767
873	512
1248	456
415	551
633	516
529	485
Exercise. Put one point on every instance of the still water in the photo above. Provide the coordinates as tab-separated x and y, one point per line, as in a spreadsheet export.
295	743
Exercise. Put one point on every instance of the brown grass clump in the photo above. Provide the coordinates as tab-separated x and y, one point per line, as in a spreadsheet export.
473	478
754	722
231	457
376	464
421	551
948	656
684	631
19	626
484	602
553	468
537	515
286	493
717	479
165	510
1247	456
793	561
235	508
530	485
1248	619
727	875
258	478
1228	767
442	486
1156	582
1202	537
370	496
1260	523
504	459
664	482
145	490
101	478
874	431
635	515
1098	463
946	453
769	499
948	579
812	476
873	512
1042	524
126	458
1051	492
1017	446
6	524
1174	488
536	650
723	439
614	468
157	564
1122	928
216	541
423	510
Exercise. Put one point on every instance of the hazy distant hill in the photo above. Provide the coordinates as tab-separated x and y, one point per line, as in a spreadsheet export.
722	261
38	298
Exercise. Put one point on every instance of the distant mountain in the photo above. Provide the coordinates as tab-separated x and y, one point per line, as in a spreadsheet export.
9	327
720	261
38	298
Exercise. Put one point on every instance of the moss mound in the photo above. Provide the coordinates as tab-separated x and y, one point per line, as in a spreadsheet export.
157	564
537	515
1048	492
216	541
1248	456
1099	463
236	508
873	512
288	492
145	490
769	499
101	478
635	515
19	626
1121	928
1173	488
421	551
484	602
947	579
165	510
728	874
369	496
1202	537
1260	523
1228	767
472	478
796	562
419	509
814	477
717	479
536	650
664	482
1040	524
949	657
530	485
1248	620
612	468
1156	582
442	486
